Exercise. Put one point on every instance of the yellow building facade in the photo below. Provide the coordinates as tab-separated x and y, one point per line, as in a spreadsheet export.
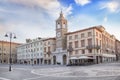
5	51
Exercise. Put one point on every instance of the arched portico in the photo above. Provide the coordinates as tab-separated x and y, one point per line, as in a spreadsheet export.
64	59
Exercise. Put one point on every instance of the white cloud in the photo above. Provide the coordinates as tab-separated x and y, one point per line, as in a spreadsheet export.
112	6
52	7
79	21
82	2
68	10
105	19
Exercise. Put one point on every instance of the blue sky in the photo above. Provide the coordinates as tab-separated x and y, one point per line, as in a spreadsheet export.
36	18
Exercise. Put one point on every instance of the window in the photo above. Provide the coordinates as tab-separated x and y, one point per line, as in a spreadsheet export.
45	49
83	51
31	45
89	42
82	43
76	44
90	51
41	54
48	49
89	34
100	42
41	48
37	54
100	35
97	50
96	41
96	33
45	55
82	35
34	44
76	36
70	37
70	53
34	49
76	52
48	55
31	50
37	49
45	43
70	43
40	43
48	43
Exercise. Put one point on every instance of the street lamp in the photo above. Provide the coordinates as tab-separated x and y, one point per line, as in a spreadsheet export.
10	35
32	57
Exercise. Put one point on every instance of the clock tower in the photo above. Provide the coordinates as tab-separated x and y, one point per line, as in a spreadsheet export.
60	54
61	30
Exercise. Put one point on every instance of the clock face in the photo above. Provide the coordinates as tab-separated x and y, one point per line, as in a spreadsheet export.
58	34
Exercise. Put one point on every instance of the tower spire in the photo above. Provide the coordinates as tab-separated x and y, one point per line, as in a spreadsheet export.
61	13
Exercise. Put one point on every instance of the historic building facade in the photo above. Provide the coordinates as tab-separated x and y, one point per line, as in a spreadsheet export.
60	54
49	47
31	52
86	46
117	49
90	45
5	51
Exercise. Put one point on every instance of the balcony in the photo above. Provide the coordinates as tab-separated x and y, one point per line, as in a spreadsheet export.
93	47
49	52
70	49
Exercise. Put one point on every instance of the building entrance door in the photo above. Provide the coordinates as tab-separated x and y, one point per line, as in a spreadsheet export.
54	59
64	59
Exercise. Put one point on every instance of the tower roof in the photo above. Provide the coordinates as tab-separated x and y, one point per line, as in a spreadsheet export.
61	17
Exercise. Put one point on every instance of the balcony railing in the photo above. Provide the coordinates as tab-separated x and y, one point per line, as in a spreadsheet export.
93	47
70	49
49	52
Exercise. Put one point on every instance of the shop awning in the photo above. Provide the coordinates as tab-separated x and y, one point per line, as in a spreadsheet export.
85	57
81	57
73	58
109	55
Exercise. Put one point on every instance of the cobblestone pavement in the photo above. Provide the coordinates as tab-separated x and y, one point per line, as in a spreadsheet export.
105	71
78	71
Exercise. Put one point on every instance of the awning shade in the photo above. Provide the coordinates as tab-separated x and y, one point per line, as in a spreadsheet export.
73	58
84	57
81	57
109	55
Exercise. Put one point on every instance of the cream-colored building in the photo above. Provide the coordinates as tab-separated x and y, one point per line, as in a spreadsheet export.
31	52
49	47
117	49
85	46
5	51
90	45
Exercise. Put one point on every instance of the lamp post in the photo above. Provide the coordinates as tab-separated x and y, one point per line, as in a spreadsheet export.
10	35
32	57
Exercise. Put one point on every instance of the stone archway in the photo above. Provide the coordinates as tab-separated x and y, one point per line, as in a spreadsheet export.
54	59
64	59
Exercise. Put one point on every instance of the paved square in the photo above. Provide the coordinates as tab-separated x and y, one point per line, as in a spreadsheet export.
105	71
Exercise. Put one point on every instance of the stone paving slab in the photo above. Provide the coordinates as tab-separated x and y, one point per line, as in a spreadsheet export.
79	71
